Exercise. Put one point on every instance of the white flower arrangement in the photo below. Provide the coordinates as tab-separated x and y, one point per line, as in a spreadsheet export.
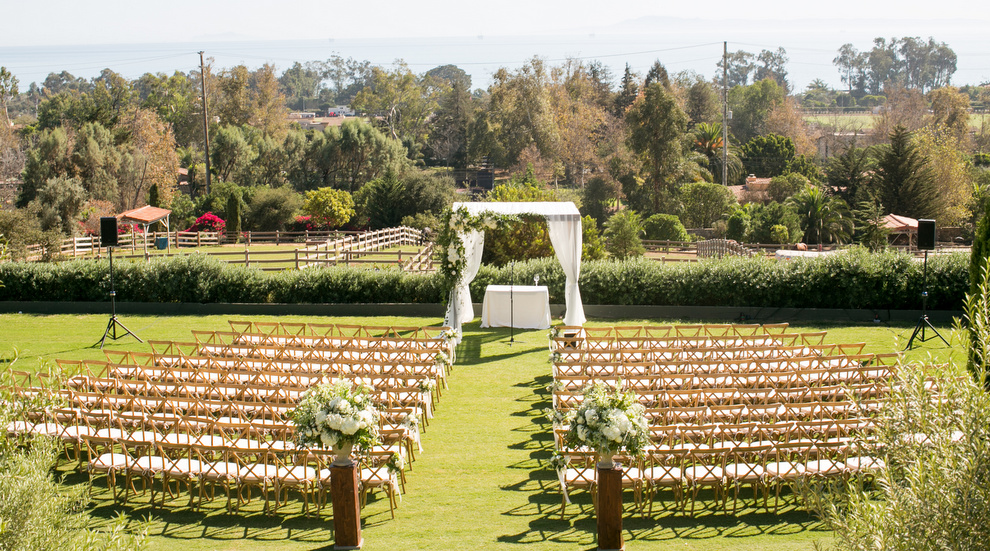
457	222
427	385
559	462
335	415
442	360
608	421
396	463
556	418
410	422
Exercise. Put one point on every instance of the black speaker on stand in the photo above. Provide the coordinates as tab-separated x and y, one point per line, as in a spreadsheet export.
108	239
926	242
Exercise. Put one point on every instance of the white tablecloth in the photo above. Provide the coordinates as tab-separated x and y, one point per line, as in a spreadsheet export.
530	307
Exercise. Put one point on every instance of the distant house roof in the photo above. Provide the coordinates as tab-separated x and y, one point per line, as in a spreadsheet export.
144	215
900	224
757	184
738	191
755	190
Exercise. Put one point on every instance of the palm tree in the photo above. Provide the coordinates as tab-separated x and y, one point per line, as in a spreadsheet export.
708	141
824	218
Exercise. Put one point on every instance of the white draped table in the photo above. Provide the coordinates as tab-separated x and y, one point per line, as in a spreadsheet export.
521	306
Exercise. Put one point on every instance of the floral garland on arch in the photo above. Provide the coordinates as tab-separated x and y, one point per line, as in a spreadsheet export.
333	416
453	257
608	421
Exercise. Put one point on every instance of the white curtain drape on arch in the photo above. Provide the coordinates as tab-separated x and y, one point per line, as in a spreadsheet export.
564	224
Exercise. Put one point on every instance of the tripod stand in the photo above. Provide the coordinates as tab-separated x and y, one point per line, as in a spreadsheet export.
923	322
114	322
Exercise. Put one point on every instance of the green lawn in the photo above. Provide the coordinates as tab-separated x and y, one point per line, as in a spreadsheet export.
860	122
481	482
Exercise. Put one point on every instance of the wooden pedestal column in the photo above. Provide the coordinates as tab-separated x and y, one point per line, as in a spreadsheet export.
610	508
346	507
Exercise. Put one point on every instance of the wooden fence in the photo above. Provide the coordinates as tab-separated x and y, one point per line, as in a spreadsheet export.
323	248
318	248
352	248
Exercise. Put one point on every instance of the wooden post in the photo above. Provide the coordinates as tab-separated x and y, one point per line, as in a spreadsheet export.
346	507
609	508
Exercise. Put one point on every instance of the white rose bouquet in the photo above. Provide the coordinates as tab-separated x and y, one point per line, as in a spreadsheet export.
608	421
335	415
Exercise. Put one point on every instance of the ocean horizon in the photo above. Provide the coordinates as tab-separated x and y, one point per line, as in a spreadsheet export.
681	45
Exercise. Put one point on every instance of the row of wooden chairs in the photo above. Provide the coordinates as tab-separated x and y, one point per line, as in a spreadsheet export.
160	366
702	354
728	397
237	470
336	329
633	364
856	373
277	390
685	471
237	340
687	330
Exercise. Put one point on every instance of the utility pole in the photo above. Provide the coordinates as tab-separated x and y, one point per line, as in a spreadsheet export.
725	113
206	122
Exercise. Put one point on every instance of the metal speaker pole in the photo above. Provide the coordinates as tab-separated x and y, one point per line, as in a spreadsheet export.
114	323
512	320
924	323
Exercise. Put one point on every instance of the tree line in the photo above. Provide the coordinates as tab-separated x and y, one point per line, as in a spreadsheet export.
637	145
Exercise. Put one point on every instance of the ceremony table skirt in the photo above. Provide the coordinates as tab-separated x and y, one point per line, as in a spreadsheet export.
521	306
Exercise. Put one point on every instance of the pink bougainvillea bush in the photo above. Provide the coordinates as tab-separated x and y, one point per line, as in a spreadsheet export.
305	223
209	222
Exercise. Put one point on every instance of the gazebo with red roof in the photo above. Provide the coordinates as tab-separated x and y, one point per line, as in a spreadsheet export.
145	216
901	225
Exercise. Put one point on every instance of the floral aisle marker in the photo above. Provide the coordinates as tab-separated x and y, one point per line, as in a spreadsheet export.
608	421
338	417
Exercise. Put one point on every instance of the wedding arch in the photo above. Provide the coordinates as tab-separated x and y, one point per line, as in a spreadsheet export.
564	225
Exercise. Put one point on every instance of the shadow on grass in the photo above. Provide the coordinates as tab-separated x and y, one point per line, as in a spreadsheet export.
211	521
491	345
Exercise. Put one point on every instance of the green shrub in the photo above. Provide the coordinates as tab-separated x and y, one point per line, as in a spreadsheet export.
665	227
622	232
779	234
346	285
854	279
592	247
36	511
738	225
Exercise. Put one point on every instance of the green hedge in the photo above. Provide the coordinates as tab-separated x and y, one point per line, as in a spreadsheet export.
857	279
